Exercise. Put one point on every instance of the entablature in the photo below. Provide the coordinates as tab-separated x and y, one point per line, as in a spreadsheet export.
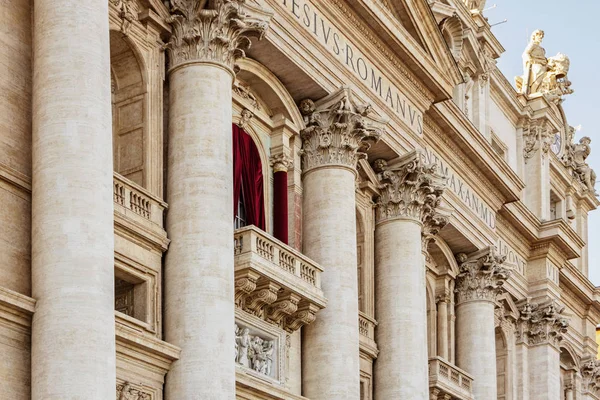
494	169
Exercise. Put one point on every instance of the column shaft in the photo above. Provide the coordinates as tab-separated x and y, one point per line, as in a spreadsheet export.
544	373
401	309
476	346
442	325
331	349
199	293
73	333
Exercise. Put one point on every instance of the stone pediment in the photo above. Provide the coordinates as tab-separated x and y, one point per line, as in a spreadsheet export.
419	21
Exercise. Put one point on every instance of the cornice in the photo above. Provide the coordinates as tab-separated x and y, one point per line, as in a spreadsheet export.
580	286
480	152
505	96
16	309
15	178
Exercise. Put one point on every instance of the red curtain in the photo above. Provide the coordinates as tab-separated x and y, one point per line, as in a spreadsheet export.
247	174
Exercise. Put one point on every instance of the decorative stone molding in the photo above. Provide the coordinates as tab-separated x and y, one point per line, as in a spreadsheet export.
127	392
537	134
128	12
481	275
245	92
542	323
216	31
274	282
410	189
281	162
575	157
339	131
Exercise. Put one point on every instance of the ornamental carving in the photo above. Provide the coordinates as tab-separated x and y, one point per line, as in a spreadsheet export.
338	131
280	162
127	392
254	352
481	275
541	75
432	225
590	372
575	157
410	189
128	12
542	323
537	135
215	31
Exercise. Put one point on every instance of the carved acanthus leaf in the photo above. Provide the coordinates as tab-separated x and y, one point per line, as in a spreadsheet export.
125	391
410	189
280	162
542	323
338	131
215	31
481	275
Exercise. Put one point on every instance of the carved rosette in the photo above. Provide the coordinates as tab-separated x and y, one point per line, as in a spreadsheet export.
542	323
411	189
481	275
216	31
338	131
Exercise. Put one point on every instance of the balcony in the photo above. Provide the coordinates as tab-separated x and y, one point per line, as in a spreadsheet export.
446	379
366	328
275	282
139	212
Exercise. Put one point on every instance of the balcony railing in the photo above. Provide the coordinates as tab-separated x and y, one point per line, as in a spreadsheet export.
133	199
366	328
447	379
274	281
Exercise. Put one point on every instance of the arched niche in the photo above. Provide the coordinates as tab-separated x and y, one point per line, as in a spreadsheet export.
568	369
502	365
452	31
442	257
129	109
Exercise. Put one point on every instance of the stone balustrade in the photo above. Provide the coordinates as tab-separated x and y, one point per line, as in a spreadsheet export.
446	379
366	328
275	282
130	198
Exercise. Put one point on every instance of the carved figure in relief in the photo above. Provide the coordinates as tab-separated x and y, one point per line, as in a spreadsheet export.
243	344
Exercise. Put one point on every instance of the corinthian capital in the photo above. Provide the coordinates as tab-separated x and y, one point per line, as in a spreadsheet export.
410	189
542	323
215	31
339	131
481	275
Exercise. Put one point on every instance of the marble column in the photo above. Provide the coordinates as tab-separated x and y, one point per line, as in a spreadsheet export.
477	285
442	325
410	193
73	333
541	327
199	284
337	130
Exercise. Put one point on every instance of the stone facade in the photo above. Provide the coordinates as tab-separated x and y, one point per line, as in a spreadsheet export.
437	214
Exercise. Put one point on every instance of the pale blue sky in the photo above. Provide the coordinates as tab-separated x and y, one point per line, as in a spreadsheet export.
571	27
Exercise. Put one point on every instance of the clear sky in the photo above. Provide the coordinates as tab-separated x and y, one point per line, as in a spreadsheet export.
571	27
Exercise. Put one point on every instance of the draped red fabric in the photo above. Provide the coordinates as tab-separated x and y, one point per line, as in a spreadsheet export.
280	206
248	178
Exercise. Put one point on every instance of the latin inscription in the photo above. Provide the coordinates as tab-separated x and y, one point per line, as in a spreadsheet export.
355	61
513	259
462	190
